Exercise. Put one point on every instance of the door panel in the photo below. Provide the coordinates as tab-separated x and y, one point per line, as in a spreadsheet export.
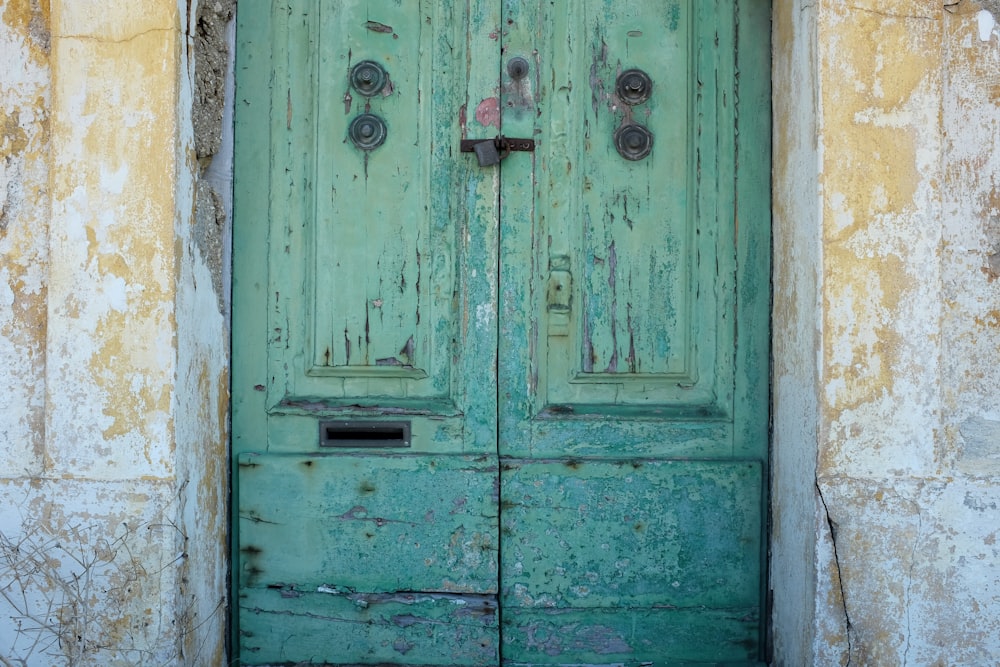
631	502
648	261
611	558
313	627
393	524
512	414
379	269
365	339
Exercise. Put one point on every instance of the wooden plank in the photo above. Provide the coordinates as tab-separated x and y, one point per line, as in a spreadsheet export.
369	523
598	534
290	626
657	636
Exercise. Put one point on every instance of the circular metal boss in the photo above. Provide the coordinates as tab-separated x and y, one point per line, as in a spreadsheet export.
517	67
633	142
633	86
368	77
367	131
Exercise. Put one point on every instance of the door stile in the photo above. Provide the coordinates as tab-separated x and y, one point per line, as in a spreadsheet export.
753	255
255	45
478	117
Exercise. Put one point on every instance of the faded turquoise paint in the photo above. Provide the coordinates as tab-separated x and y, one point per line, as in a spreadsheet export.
326	510
633	412
365	287
579	342
292	627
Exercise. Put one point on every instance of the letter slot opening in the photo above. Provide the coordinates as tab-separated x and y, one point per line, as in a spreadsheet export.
364	434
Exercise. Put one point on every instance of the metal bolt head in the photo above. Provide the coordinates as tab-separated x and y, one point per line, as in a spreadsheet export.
518	67
367	131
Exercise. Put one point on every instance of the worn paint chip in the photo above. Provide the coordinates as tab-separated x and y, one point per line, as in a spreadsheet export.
375	26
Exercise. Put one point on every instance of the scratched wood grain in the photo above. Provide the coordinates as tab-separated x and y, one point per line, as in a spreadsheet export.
369	523
634	533
632	637
286	625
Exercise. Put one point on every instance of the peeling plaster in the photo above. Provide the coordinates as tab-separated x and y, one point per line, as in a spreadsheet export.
906	495
113	415
113	217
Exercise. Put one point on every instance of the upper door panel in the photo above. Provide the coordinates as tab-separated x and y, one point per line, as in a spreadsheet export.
621	264
381	288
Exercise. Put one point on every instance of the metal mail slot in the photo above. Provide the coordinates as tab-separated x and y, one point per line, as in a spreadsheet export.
364	434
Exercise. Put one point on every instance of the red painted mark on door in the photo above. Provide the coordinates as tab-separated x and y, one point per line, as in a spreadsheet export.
488	112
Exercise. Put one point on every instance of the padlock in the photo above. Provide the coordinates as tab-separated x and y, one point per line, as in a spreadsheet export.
487	153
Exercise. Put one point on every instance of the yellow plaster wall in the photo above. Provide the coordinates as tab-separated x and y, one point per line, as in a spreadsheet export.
24	206
112	271
113	407
905	447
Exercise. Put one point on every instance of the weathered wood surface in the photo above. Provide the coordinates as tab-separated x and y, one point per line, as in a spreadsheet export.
289	626
578	341
587	534
640	636
369	524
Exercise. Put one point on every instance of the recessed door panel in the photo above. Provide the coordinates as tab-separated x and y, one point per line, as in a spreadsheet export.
380	296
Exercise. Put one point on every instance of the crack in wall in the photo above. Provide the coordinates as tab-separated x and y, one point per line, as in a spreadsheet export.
832	525
105	39
909	583
891	15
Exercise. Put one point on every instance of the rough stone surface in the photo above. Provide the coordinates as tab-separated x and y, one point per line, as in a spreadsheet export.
210	223
211	55
212	63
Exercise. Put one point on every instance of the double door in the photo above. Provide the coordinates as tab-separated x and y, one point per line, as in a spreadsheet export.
500	372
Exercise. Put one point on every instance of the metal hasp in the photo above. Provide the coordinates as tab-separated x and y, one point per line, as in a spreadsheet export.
368	78
490	151
633	86
633	141
367	131
364	434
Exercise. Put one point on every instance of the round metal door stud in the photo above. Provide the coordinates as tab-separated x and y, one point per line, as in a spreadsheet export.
633	142
367	131
517	67
368	77
633	86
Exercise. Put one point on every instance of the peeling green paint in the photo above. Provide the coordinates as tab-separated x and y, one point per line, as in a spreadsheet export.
577	342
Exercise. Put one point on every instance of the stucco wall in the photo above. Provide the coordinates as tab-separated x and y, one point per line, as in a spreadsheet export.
894	345
114	398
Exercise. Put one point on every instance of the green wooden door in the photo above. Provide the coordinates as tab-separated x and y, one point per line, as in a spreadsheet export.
513	413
